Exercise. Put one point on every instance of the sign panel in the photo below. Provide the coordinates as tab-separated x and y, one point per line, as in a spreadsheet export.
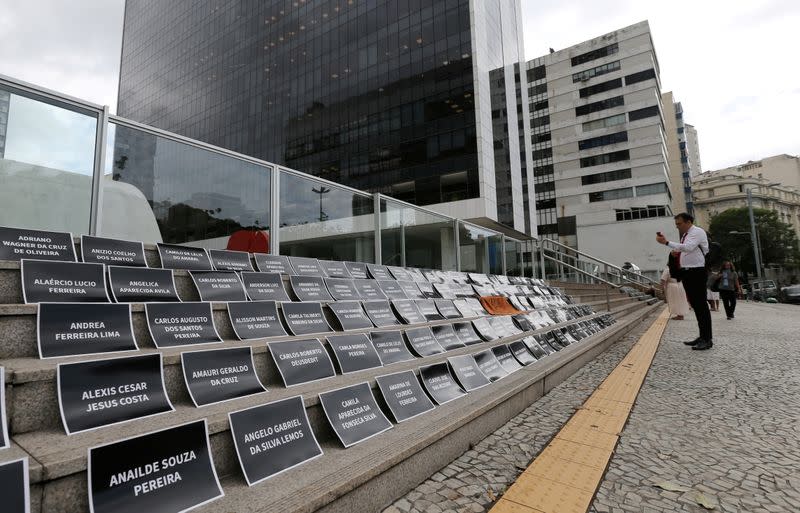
354	414
5	442
226	260
447	308
357	270
142	285
306	266
489	365
506	359
181	324
439	383
18	243
411	289
350	315
167	470
422	342
264	286
390	346
485	329
467	373
521	353
444	290
97	393
219	375
392	289
354	352
428	308
71	329
255	319
404	395
446	337
523	322
218	285
466	333
301	361
379	272
399	273
309	288
334	269
381	314
62	282
427	290
273	263
464	308
14	486
175	256
100	250
408	312
342	289
304	318
272	438
369	289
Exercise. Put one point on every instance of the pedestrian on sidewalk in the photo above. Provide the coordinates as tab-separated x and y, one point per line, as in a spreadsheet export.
712	296
673	290
729	287
692	248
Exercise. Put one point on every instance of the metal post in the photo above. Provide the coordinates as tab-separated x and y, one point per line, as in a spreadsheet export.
756	251
608	298
540	243
503	253
457	243
101	139
275	213
402	243
376	202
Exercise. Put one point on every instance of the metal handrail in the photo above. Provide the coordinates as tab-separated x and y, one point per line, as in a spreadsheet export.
608	284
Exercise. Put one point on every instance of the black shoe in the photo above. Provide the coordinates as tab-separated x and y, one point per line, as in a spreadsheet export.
729	318
703	345
694	342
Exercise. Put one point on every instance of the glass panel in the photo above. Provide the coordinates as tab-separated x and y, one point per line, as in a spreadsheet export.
416	238
481	249
46	163
157	189
323	221
513	257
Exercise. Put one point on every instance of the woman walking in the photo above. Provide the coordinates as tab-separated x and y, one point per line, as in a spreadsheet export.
729	287
673	290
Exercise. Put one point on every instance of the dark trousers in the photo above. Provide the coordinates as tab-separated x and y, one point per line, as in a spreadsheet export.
694	283
728	298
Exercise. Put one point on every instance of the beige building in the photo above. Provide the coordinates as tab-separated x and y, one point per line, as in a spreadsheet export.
783	168
693	147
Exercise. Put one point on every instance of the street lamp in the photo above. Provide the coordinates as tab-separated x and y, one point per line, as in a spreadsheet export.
322	190
753	235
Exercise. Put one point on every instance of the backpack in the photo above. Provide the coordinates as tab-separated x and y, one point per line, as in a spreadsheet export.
714	255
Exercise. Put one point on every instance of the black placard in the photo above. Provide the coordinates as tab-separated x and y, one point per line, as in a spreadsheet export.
392	289
445	290
390	346
543	344
175	256
485	329
466	333
516	303
264	286
357	270
465	308
422	342
306	266
100	250
404	395
427	290
381	314
379	272
476	305
334	269
14	486
4	440
439	383
354	414
273	263
272	438
428	308
522	322
142	285
399	273
255	319
181	324
521	353
342	289
167	470
17	243
218	285
467	372
226	260
447	308
369	289
489	365
408	312
304	318
354	352
301	361
411	289
446	337
72	329
309	288
219	375
350	315
62	282
506	359
416	274
97	393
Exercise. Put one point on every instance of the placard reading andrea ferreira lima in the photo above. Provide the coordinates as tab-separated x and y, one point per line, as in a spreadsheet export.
14	486
70	329
181	324
272	438
17	243
62	282
99	393
217	375
174	256
354	414
167	470
404	395
141	285
301	361
100	250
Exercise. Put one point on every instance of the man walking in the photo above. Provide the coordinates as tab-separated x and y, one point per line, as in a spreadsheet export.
691	258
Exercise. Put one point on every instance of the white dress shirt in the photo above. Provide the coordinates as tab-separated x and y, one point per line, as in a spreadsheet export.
693	248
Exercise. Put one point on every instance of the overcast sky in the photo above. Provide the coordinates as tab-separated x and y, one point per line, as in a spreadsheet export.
733	65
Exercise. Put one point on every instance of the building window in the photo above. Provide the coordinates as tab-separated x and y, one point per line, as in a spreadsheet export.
546	203
680	130
612	194
605	158
540	138
540	105
608	176
567	226
646	112
548	229
603	140
537	89
542	154
543	170
602	87
595	72
653	188
536	73
641	76
619	119
598	106
595	54
643	212
540	121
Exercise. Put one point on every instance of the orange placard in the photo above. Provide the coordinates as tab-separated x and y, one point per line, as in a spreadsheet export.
498	305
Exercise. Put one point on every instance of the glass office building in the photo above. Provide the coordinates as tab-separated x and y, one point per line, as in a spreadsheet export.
389	96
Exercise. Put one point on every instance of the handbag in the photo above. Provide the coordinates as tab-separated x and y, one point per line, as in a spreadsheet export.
713	282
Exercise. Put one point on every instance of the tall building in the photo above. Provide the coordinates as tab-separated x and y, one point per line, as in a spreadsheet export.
693	144
5	100
683	152
599	154
387	96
